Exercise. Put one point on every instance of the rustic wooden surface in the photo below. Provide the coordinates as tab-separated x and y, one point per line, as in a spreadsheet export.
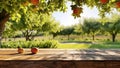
60	58
61	54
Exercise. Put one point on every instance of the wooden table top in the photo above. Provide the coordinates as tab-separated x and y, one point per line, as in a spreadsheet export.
61	54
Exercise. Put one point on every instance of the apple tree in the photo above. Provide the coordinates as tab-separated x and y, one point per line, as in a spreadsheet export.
67	31
8	32
91	26
112	26
12	8
51	26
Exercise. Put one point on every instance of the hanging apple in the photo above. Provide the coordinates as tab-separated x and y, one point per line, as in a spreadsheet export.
103	1
118	4
35	2
77	11
34	50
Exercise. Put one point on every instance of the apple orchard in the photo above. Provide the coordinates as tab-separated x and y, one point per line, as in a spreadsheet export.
14	8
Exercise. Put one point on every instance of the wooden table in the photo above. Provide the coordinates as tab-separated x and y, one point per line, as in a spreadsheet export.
61	54
60	58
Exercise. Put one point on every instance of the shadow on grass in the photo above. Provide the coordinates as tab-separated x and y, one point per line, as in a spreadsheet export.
75	41
106	45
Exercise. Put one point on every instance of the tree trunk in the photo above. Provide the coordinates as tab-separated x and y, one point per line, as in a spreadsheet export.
4	16
82	36
113	37
68	37
93	37
27	36
54	35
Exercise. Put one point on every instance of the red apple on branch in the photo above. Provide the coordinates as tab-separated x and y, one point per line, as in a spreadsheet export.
118	4
35	2
77	11
104	1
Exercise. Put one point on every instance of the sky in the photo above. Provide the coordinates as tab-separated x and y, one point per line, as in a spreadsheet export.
66	19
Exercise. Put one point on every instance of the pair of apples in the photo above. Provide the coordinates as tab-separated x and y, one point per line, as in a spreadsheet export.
106	1
33	50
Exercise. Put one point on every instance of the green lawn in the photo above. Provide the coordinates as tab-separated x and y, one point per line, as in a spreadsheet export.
70	44
73	46
89	46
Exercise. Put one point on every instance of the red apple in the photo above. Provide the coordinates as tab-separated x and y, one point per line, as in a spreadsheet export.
35	2
103	1
34	50
76	10
118	4
20	50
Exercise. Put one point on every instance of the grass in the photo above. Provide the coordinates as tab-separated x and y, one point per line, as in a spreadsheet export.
84	43
73	46
89	46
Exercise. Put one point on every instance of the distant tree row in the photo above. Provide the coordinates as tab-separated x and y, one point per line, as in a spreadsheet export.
30	26
92	26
